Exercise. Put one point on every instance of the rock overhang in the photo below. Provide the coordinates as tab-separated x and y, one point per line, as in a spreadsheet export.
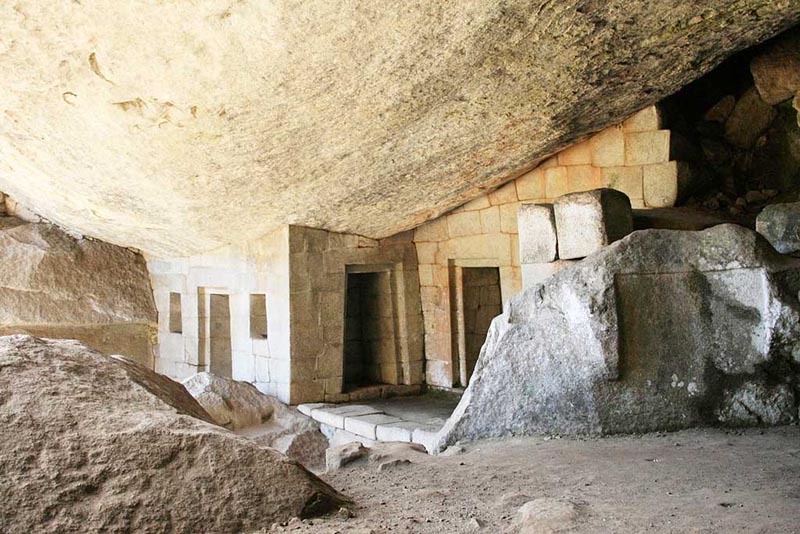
176	129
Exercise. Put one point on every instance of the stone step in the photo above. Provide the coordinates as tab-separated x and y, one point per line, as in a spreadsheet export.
363	421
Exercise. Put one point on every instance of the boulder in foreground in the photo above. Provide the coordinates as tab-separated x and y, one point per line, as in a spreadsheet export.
97	444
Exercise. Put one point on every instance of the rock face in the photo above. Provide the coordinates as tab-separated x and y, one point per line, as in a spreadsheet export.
780	224
776	71
94	444
663	330
175	132
239	406
62	287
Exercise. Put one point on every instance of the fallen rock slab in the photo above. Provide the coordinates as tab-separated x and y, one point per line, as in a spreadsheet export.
93	444
780	225
239	406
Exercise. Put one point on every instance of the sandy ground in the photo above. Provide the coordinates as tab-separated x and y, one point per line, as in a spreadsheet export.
696	481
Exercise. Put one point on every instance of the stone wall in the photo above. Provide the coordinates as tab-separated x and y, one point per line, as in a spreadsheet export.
633	157
320	264
259	269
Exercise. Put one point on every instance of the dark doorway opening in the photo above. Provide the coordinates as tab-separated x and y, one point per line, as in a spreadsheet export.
370	349
481	302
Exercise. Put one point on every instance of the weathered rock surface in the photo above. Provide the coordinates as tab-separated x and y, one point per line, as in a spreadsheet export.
545	516
780	224
776	71
62	287
342	455
94	444
239	406
749	119
174	131
662	330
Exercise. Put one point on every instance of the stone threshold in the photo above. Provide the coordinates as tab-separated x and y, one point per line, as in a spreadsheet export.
368	425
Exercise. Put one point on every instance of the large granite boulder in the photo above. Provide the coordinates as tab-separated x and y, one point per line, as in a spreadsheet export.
239	406
63	287
97	444
662	330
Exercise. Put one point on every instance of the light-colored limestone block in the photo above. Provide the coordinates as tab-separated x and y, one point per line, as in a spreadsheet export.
365	425
335	417
590	220
663	182
504	195
537	233
645	148
577	154
530	186
435	230
426	252
625	179
646	120
396	431
490	220
508	218
477	203
583	178
556	181
608	148
549	162
464	223
306	409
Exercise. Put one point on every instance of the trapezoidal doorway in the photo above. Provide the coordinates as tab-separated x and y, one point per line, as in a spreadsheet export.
214	315
476	301
370	341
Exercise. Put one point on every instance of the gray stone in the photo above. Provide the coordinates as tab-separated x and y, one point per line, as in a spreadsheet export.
342	455
590	220
537	233
82	432
365	425
588	350
780	225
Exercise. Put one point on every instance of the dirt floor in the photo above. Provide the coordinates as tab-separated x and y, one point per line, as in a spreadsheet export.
696	481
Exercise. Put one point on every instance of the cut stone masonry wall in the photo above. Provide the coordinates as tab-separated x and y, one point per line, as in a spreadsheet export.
633	157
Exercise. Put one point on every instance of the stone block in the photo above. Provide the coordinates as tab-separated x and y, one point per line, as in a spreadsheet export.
504	194
335	417
577	154
426	275
663	183
508	218
536	273
396	431
645	148
780	225
555	182
590	220
426	252
537	233
530	186
625	179
435	230
608	148
426	437
477	204
549	162
365	425
646	120
438	372
583	178
464	223
490	220
302	392
307	408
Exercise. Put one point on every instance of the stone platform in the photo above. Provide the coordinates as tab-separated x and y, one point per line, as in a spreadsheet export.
405	419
